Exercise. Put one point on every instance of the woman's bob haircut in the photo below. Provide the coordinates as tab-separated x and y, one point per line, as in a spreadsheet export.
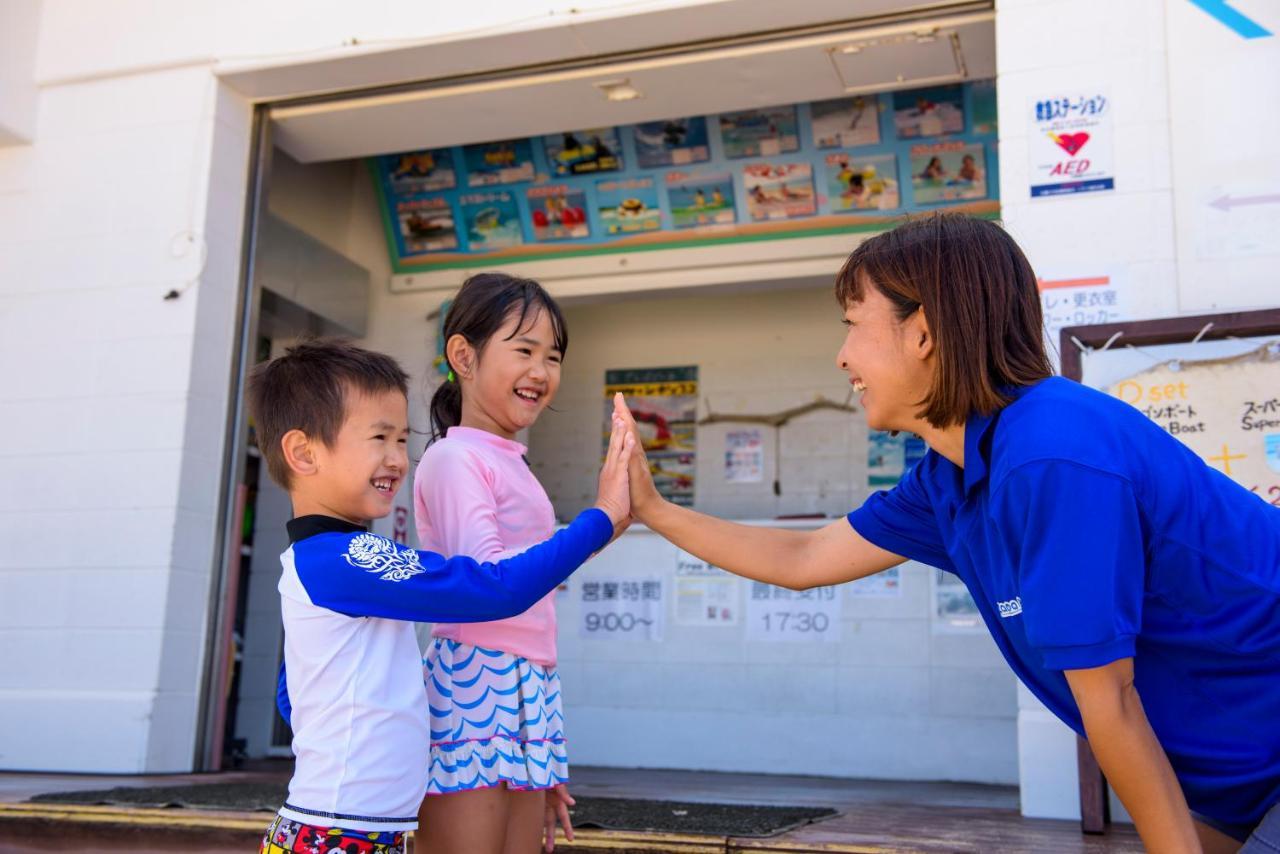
980	300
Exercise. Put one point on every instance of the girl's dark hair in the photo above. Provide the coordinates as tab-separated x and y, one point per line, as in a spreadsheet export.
979	296
485	302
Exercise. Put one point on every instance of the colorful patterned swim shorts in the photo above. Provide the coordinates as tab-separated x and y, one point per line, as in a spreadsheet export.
286	836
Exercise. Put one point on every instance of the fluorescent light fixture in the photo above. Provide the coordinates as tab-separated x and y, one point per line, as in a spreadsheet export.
618	90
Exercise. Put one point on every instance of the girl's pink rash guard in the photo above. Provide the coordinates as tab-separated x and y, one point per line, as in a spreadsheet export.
474	495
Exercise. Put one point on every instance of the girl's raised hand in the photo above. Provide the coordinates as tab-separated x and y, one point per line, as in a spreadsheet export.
644	494
614	495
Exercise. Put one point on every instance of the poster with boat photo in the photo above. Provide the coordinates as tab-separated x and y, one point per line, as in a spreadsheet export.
425	225
583	152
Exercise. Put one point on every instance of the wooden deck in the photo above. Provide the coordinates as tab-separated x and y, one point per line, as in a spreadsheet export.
876	817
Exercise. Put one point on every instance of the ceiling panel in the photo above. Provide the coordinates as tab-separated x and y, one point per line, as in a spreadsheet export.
570	34
708	81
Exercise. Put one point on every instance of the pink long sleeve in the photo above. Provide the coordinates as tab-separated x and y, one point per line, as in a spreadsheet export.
475	495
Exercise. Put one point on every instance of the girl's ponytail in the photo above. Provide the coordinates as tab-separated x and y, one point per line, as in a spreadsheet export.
446	408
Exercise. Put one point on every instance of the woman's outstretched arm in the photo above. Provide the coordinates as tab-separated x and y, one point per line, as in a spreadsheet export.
794	559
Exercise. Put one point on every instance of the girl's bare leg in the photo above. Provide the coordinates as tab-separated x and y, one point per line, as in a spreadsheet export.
473	822
525	813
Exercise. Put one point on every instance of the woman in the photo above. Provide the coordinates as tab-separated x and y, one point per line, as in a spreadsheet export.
1132	588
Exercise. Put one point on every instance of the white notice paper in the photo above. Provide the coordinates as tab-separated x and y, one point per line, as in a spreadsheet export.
705	595
743	456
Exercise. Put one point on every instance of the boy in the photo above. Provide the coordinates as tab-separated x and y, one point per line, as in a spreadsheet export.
332	424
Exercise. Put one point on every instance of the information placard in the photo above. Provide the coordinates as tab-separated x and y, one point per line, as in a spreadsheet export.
775	614
622	608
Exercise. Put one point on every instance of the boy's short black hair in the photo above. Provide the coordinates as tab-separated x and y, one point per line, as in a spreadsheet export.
306	389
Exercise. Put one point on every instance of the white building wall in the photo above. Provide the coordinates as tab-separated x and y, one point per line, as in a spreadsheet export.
113	404
111	417
18	96
1187	129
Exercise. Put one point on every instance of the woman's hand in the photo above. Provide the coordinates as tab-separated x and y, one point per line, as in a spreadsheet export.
644	494
558	802
614	496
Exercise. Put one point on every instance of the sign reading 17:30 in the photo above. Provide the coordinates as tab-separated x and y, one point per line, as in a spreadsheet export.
778	614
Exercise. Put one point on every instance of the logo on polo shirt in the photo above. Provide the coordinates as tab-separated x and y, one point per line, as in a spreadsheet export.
1010	608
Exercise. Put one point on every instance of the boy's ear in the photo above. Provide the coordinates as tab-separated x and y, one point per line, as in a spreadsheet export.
299	453
460	354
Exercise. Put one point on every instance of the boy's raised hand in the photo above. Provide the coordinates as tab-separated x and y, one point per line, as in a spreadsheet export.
614	495
644	494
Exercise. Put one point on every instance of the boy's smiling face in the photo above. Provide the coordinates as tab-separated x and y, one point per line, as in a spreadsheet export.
357	477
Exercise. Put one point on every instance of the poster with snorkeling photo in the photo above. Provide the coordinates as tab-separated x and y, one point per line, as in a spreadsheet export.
583	152
664	402
628	205
558	212
700	198
862	183
492	220
779	190
948	172
846	122
673	142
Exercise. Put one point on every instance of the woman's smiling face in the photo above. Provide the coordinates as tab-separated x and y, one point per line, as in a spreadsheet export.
886	360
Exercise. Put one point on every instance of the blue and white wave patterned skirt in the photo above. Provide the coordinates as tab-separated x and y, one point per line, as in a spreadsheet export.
495	718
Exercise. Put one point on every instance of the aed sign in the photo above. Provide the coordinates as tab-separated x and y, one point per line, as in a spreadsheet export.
1070	144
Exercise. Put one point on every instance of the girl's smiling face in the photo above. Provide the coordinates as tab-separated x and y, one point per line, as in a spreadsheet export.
887	361
512	377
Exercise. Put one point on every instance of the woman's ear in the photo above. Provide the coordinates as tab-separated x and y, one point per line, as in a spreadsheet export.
461	355
299	454
919	336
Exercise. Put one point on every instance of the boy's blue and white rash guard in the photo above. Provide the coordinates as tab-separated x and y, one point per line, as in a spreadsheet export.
353	669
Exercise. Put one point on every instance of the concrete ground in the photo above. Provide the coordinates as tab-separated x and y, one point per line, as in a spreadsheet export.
875	816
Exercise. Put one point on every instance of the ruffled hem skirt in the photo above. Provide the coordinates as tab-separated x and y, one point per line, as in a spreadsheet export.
495	719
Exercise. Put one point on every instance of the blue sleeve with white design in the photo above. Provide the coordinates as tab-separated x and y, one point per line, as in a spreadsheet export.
282	697
365	575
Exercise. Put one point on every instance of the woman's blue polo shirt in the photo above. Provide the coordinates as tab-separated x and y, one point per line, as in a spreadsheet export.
1087	534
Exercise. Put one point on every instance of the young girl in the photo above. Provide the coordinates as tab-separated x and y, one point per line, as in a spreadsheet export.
1131	587
498	757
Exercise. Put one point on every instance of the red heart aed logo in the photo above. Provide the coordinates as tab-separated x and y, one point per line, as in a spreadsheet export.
1071	142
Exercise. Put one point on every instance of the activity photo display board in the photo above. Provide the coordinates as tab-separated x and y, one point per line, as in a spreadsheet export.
840	165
